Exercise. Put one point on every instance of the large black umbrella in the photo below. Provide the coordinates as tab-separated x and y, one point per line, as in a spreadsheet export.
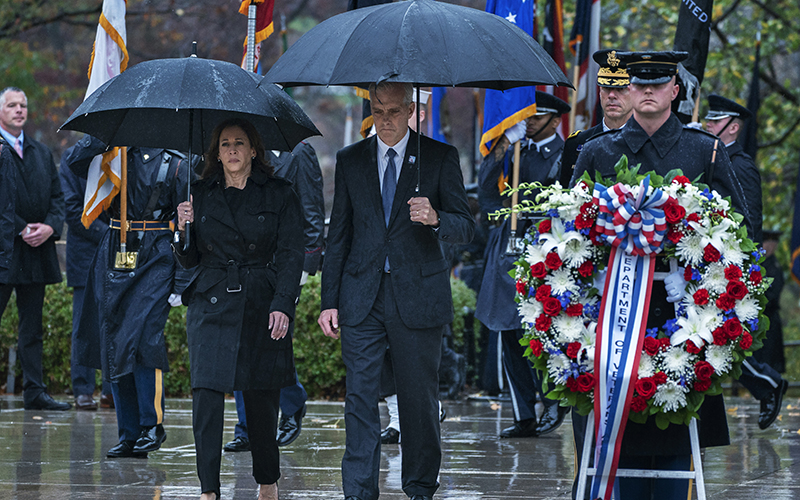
424	42
176	103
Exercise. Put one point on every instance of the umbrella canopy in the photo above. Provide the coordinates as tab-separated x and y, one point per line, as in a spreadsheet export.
424	42
176	103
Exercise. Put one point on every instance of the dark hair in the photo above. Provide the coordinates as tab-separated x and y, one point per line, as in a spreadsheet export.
212	164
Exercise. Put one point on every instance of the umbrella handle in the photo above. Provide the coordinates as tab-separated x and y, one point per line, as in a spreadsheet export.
186	237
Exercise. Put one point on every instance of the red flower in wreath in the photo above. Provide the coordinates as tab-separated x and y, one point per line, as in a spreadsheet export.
553	261
687	273
674	234
538	270
536	347
574	310
711	254
585	382
544	226
756	278
673	211
646	387
746	341
552	306
732	328
586	269
703	370
693	217
543	292
651	346
719	337
726	302
638	404
692	348
682	180
659	378
701	297
733	273
737	289
543	323
522	287
583	222
573	348
702	385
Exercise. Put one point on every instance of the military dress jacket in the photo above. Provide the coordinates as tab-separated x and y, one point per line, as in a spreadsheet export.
572	148
750	179
496	307
671	146
125	310
249	263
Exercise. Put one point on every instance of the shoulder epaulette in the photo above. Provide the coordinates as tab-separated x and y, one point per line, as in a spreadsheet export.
574	134
704	132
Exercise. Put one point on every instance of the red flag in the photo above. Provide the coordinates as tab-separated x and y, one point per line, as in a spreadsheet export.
586	31
554	45
264	26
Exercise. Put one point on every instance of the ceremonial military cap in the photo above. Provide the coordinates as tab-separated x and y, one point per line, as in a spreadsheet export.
548	103
652	68
612	72
423	96
720	107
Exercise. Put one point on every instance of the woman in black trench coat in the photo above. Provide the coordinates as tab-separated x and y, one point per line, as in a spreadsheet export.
247	241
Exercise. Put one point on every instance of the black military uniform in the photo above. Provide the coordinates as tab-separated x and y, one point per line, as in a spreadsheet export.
762	380
697	154
496	307
129	307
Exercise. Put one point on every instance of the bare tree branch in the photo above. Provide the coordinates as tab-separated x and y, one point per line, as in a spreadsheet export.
785	136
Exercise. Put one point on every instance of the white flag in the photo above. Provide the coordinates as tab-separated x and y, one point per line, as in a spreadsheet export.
109	58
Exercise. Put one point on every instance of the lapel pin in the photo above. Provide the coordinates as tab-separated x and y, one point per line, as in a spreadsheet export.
412	159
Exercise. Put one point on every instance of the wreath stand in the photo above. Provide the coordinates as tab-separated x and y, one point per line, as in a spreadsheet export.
697	474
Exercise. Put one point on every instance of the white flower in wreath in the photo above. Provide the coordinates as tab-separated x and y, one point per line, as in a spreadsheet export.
647	366
558	367
714	279
720	202
577	251
670	396
696	326
561	281
534	254
720	357
558	238
732	253
530	309
569	328
713	234
677	361
747	308
587	344
690	249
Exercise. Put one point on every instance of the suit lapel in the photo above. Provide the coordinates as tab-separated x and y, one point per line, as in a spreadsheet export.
371	189
408	178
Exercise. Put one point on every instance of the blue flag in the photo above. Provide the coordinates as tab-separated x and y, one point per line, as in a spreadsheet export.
502	110
435	123
796	235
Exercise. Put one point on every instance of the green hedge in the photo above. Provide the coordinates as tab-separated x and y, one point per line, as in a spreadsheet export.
318	358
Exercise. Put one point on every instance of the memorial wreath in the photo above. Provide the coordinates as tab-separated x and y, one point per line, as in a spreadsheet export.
560	278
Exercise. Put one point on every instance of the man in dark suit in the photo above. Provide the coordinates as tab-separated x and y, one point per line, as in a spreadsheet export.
385	282
38	223
539	161
726	120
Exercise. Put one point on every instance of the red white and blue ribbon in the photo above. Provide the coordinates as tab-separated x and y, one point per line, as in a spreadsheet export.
635	224
635	227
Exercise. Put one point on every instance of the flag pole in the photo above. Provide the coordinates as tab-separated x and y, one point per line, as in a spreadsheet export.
576	72
514	246
249	59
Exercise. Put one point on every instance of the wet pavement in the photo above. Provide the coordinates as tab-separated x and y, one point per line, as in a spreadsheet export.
55	455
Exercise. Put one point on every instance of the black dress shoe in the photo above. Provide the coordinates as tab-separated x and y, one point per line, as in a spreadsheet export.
85	402
552	417
124	450
44	402
352	498
771	405
390	436
290	426
151	439
240	443
106	401
421	497
520	429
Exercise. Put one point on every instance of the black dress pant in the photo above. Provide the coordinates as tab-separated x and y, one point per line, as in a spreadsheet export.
415	357
261	407
30	299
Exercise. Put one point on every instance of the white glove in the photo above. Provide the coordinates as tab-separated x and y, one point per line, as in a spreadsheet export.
174	300
599	281
517	132
303	278
697	125
675	285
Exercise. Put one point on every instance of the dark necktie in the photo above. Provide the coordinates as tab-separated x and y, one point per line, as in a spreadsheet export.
389	185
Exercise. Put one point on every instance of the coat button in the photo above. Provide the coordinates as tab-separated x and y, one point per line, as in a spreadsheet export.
203	218
213	300
657	311
260	218
210	248
132	274
252	246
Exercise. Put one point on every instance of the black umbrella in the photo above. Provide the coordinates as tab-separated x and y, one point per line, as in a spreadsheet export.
423	42
176	103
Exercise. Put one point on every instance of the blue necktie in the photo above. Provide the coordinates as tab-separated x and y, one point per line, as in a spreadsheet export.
389	185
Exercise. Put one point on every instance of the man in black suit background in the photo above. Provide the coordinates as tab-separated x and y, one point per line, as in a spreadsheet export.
385	281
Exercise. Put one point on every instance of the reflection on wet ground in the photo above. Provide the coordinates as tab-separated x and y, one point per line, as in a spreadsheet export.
54	455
